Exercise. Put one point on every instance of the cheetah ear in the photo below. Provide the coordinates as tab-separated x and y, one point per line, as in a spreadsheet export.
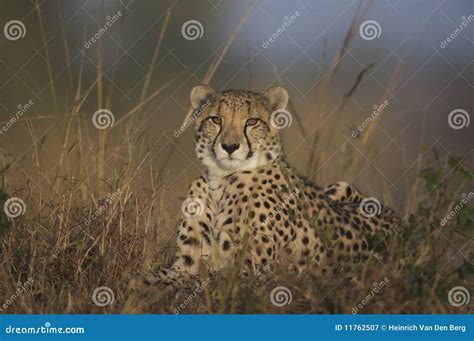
199	94
277	96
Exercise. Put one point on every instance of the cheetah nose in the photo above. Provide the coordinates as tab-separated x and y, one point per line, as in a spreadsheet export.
230	148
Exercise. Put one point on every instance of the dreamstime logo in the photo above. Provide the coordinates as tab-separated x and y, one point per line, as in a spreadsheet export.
288	20
102	208
14	30
459	296
370	30
288	199
196	113
370	207
199	288
458	119
192	30
280	119
377	287
192	207
103	119
21	289
22	109
464	23
108	23
103	296
465	199
281	296
378	109
14	207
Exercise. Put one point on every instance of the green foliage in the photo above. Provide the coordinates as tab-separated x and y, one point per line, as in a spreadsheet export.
378	242
433	178
456	164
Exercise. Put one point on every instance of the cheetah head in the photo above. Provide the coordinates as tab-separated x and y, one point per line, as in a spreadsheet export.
233	128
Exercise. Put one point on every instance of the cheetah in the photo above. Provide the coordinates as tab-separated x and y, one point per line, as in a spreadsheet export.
251	203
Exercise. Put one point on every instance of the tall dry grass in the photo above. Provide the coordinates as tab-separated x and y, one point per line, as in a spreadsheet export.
68	254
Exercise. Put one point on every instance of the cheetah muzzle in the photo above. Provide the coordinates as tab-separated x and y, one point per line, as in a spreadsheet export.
251	203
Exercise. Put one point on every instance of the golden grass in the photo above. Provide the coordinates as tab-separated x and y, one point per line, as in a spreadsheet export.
68	258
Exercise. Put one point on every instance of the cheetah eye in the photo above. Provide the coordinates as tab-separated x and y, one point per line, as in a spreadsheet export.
216	119
252	121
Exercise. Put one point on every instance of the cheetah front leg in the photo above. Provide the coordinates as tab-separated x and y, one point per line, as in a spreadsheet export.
195	240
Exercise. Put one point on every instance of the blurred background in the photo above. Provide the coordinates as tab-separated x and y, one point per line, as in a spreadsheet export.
62	61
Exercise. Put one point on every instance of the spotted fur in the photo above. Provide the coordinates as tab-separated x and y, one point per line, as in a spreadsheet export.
254	205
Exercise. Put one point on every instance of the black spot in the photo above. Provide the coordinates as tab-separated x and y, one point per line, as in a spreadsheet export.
349	235
206	238
204	226
305	240
228	221
331	191
263	217
188	260
226	245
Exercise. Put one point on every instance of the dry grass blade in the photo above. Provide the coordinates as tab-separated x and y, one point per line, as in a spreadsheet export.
217	61
46	52
137	108
156	53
